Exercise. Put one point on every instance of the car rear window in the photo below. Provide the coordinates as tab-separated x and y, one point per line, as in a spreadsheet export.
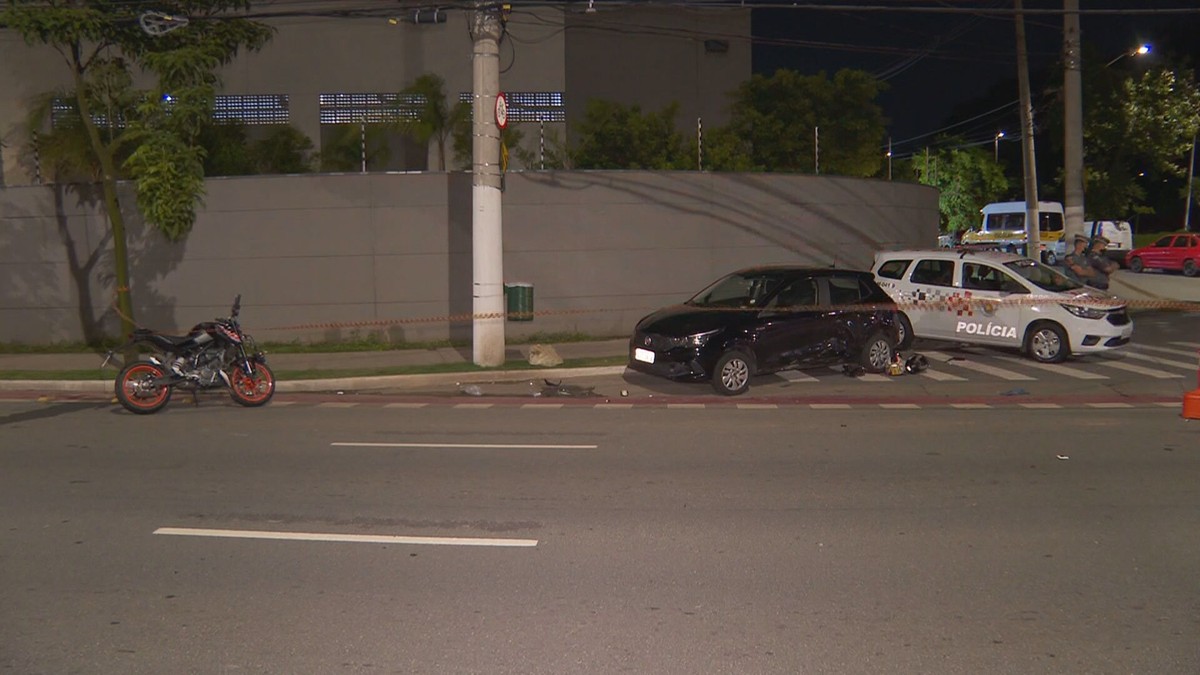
893	269
848	290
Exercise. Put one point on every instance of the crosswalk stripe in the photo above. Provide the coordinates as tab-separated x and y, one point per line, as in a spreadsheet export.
942	377
1168	350
1161	361
982	368
796	376
1055	368
865	377
1129	367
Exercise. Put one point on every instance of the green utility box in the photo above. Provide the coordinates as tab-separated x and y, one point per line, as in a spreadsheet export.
518	298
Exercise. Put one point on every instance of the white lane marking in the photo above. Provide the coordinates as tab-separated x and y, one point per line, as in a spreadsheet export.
1041	406
542	405
345	538
337	404
1168	350
865	377
1161	361
1110	405
614	406
970	406
757	406
942	377
899	406
1193	345
1157	374
981	368
1055	368
475	406
276	404
829	406
406	405
685	405
1164	404
485	446
796	376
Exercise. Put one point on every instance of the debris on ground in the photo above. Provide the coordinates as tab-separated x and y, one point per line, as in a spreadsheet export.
560	389
544	355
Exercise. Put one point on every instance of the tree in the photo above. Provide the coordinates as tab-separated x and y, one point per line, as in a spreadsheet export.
614	136
428	117
776	117
159	130
966	177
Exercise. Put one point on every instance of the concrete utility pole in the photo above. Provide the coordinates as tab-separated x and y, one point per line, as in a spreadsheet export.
1033	238
487	245
1073	211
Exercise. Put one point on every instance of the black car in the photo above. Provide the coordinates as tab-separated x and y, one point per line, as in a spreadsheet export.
765	319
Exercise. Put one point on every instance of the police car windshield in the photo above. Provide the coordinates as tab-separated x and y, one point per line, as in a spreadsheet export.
1045	278
738	290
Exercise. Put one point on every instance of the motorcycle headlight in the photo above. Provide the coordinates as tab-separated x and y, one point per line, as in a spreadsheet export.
1083	312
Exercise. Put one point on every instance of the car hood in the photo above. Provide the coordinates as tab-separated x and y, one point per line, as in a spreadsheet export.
1095	298
682	320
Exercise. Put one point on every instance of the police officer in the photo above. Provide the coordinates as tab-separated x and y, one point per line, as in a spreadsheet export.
1079	266
1100	259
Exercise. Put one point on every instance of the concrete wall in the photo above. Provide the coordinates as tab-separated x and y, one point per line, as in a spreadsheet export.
324	257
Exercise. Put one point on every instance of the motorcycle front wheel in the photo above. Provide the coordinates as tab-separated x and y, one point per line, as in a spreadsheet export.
140	390
252	390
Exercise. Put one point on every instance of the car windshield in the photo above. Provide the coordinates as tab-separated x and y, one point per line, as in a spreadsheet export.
739	290
1045	278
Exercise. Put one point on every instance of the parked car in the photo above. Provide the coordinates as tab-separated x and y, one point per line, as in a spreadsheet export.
999	299
1177	252
766	319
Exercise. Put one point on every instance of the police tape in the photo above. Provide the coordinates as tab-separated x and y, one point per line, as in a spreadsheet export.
959	304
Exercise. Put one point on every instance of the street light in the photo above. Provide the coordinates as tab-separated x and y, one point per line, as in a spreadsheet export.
1140	50
996	146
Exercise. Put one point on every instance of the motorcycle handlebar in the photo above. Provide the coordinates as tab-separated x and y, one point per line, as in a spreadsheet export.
237	306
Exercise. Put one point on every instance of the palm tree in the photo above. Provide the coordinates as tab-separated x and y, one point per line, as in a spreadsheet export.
426	115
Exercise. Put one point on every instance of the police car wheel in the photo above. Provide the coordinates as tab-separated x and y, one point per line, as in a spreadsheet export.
1048	343
904	331
731	375
876	354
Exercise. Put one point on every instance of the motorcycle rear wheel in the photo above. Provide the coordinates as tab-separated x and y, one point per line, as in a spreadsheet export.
137	391
252	391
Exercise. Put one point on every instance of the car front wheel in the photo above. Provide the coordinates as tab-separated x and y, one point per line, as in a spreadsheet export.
1047	343
731	375
876	354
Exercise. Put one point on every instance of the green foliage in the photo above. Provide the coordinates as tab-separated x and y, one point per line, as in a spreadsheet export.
170	181
344	152
435	119
725	151
966	177
614	136
775	118
285	149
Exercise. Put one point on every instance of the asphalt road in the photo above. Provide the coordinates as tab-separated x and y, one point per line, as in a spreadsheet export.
648	540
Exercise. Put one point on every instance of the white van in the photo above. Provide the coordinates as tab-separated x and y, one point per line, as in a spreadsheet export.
999	299
1118	233
1003	227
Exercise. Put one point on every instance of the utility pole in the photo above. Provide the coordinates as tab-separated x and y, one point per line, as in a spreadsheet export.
487	246
1073	211
1032	236
1187	208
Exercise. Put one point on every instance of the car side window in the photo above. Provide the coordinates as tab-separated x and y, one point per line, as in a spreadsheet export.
934	272
1182	242
1165	241
799	293
844	290
894	269
987	278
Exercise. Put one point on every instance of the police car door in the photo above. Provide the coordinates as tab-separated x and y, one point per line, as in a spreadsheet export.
931	298
992	307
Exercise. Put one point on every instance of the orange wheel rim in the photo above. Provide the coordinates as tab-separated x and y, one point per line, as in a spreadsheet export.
135	393
255	388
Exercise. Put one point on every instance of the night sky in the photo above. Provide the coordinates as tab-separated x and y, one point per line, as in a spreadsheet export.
945	68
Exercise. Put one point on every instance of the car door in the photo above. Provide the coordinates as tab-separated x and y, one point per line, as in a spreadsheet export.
989	314
930	297
793	328
1181	250
1158	254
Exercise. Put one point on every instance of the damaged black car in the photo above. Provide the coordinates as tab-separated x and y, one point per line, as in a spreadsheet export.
766	319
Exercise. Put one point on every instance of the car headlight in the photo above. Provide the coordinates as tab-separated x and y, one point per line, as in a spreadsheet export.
697	340
1083	312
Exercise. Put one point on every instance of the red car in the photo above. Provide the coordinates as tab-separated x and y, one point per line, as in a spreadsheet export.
1179	252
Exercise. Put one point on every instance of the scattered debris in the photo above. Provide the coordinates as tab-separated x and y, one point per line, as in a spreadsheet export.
853	370
560	389
1015	392
916	363
1062	456
472	390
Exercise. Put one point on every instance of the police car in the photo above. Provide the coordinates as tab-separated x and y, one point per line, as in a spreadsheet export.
999	299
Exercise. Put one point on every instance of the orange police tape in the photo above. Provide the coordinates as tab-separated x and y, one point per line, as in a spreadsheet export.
958	304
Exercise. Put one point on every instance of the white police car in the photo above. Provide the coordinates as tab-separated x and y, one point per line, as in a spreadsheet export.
999	299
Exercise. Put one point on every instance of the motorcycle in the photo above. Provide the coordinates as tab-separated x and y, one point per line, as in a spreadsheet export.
212	355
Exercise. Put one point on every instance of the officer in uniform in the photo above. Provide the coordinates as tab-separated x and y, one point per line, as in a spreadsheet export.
1079	266
1100	260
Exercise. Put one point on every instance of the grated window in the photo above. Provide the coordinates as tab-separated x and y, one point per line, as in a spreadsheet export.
251	108
370	108
531	106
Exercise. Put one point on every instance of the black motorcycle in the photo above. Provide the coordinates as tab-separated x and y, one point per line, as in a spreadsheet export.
214	354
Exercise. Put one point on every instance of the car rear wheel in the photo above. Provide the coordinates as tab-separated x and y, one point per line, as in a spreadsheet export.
1136	265
731	375
904	333
876	353
1189	268
1047	343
